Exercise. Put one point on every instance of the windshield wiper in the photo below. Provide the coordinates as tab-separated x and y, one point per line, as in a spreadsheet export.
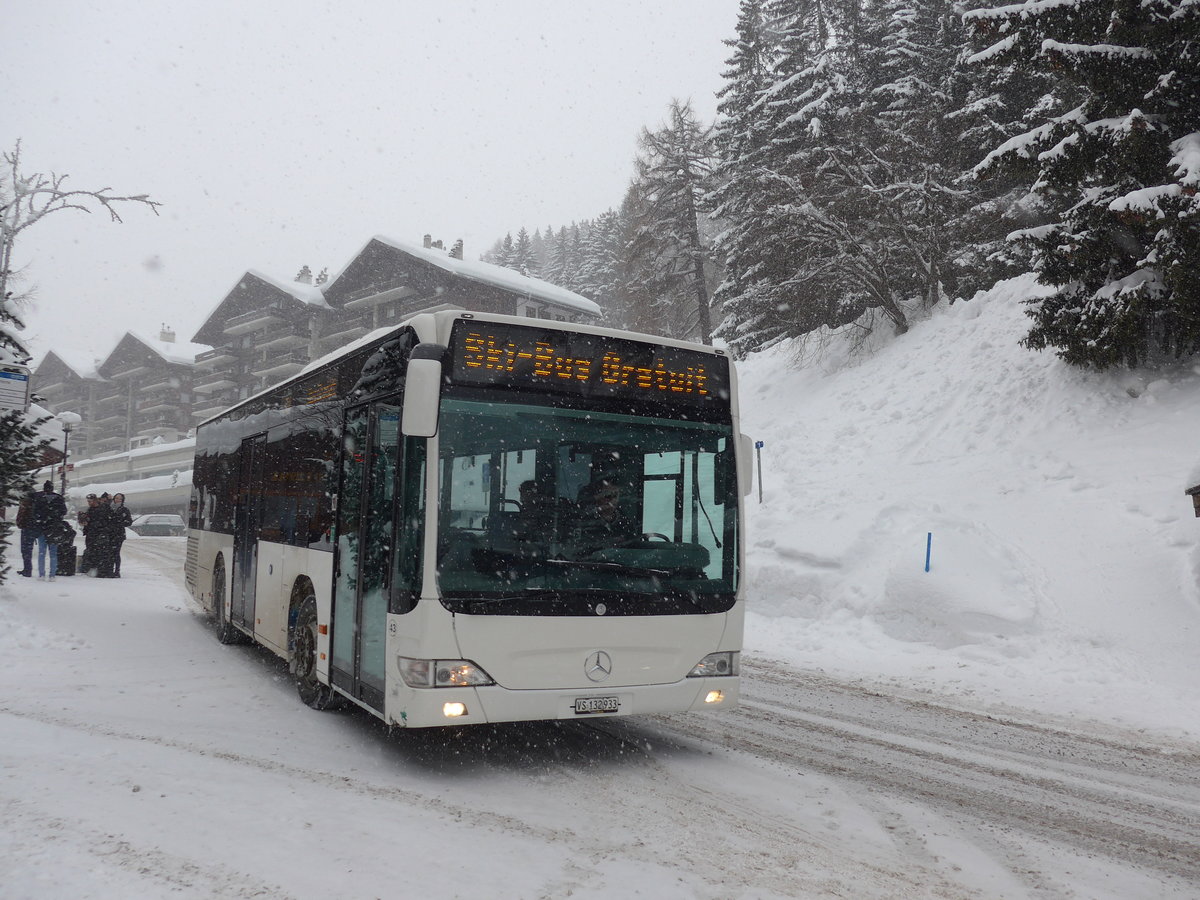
607	566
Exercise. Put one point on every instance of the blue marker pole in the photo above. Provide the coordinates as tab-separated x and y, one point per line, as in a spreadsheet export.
928	548
758	445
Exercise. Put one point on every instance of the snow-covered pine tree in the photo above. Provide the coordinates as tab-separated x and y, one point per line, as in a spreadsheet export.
20	447
507	254
1123	165
740	135
559	268
918	86
673	169
537	246
601	260
524	260
808	251
1005	99
546	259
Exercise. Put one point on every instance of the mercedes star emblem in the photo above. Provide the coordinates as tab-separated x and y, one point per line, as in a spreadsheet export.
598	666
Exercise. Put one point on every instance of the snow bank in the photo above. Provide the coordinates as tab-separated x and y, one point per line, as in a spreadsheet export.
1064	554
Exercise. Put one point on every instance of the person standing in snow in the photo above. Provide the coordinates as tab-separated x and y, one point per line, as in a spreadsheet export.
121	519
25	524
48	510
87	565
100	526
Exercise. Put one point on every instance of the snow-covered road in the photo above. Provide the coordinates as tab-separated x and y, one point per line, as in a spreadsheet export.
140	758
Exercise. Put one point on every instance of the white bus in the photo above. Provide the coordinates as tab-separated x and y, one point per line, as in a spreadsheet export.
472	518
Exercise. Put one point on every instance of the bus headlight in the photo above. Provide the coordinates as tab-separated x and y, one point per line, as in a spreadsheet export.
425	673
723	663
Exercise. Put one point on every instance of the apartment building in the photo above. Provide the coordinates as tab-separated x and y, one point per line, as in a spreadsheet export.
262	331
388	281
70	384
138	395
265	329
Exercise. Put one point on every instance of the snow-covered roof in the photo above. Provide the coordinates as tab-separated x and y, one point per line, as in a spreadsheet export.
496	276
306	293
81	362
177	352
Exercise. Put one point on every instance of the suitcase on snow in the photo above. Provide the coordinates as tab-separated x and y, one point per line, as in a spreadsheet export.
66	559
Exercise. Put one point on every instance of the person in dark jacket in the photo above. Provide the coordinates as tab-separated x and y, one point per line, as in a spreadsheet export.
102	532
121	519
25	523
48	510
87	565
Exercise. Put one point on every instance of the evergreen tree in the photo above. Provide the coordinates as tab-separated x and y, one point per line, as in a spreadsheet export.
1122	168
601	262
507	255
1005	99
559	269
523	258
919	86
20	446
672	175
809	250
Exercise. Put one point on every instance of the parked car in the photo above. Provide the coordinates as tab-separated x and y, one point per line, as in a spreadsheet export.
158	524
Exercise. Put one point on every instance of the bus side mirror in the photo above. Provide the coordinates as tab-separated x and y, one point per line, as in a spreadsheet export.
422	391
746	463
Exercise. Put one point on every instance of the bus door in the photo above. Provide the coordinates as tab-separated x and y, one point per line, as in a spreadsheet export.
365	532
247	521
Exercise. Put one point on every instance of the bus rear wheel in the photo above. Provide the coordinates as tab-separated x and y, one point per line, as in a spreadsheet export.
304	660
226	633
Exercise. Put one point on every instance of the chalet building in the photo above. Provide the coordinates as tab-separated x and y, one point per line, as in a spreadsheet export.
388	281
66	384
140	394
264	330
146	394
261	332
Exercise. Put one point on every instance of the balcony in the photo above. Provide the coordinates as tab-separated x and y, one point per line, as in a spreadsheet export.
252	321
163	382
344	336
283	341
49	390
132	370
109	441
159	430
158	404
206	409
111	418
278	366
157	415
218	381
366	302
218	356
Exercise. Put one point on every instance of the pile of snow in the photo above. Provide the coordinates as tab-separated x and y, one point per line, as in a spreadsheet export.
1064	554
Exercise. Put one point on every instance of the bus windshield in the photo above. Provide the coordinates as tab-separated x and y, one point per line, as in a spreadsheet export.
547	510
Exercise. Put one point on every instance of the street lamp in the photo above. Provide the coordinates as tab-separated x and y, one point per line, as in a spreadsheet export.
67	420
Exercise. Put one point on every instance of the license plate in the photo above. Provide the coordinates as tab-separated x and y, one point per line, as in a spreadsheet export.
596	705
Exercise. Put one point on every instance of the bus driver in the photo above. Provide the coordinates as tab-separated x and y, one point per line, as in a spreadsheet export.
602	520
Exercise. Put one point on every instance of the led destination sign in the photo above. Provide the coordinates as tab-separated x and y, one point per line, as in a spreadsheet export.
587	365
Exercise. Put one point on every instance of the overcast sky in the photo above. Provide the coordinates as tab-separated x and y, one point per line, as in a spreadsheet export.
282	134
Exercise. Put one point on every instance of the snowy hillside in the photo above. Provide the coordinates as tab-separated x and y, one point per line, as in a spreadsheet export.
1065	555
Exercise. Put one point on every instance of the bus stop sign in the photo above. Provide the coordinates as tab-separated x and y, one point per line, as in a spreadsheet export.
14	388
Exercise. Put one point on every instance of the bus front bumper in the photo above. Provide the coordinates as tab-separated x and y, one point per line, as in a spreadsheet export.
433	707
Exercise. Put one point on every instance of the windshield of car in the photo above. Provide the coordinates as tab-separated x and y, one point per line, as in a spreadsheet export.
549	509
